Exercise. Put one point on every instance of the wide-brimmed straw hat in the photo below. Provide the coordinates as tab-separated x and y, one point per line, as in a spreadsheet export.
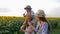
28	7
40	13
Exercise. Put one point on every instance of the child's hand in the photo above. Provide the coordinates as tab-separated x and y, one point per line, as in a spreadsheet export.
24	14
23	27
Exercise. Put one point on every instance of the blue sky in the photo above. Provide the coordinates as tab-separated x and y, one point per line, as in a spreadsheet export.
16	7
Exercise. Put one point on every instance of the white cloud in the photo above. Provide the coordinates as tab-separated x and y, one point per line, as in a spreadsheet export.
16	7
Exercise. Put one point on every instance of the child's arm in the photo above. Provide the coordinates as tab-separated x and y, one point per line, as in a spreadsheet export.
23	27
24	14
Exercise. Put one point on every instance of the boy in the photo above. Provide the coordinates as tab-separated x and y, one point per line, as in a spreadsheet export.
29	12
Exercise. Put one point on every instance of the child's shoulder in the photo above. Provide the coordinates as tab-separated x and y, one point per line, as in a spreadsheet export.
32	11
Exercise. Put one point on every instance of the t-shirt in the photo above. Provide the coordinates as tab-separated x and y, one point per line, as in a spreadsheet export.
28	29
33	14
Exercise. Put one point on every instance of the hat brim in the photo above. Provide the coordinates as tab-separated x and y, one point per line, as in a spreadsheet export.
27	8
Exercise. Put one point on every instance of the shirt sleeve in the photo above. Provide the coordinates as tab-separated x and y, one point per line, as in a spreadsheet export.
45	28
32	13
34	17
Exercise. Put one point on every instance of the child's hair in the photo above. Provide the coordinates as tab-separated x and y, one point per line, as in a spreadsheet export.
44	20
28	18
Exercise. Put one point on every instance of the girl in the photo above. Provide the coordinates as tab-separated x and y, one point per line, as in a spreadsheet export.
29	26
42	24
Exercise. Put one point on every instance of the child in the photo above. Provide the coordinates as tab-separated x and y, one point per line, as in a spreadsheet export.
23	27
29	12
29	26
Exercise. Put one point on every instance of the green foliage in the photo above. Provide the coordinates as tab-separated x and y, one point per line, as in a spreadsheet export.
11	25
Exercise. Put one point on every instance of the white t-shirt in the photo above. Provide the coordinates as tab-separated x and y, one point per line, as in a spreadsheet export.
29	28
33	14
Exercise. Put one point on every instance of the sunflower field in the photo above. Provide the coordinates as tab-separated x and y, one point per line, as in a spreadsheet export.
12	24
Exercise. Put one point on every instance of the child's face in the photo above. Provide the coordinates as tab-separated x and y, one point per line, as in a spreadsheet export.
28	10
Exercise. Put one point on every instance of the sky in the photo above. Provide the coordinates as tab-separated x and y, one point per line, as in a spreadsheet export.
16	7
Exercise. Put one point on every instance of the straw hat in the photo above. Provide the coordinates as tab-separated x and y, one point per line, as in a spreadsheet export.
40	13
28	6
